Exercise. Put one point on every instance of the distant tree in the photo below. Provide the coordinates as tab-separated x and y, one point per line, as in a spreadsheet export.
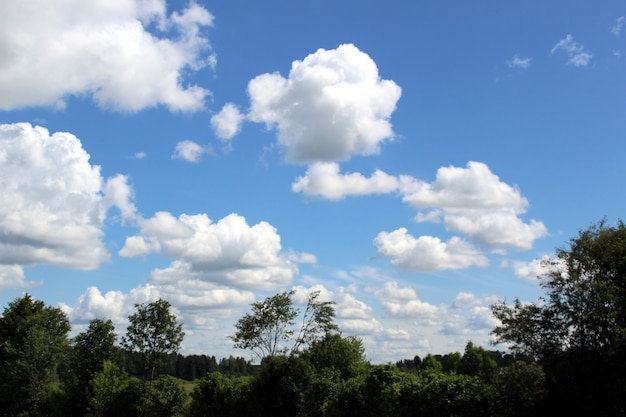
153	332
476	361
579	332
430	362
33	342
270	328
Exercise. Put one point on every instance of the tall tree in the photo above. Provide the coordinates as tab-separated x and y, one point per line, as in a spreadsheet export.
270	327
33	341
89	350
153	332
578	332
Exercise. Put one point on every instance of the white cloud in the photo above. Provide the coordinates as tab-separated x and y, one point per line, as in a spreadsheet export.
576	52
118	193
427	253
54	201
228	252
323	179
332	106
475	202
538	269
403	302
12	276
114	305
49	51
616	29
190	151
227	123
518	62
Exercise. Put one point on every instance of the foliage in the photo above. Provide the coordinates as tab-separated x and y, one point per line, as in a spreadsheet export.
153	332
114	393
334	353
579	332
278	389
217	395
33	341
270	327
166	399
88	352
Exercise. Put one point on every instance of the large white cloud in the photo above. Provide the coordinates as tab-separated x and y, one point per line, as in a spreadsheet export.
427	253
228	252
333	105
473	201
54	201
52	49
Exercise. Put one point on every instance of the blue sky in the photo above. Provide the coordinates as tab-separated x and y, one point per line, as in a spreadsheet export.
412	162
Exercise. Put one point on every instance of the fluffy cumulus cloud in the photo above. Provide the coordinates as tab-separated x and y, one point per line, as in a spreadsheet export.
227	123
114	305
403	302
333	105
577	55
54	202
323	179
473	201
126	54
427	253
228	252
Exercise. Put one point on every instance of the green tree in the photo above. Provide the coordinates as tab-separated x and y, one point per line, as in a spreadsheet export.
33	341
166	399
89	350
153	332
270	327
476	361
334	354
114	393
578	332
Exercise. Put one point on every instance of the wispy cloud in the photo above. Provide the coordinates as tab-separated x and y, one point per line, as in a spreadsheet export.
578	56
518	62
616	29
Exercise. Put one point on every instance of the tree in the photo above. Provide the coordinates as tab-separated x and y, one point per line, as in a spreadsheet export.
578	332
154	333
270	327
89	350
33	341
336	354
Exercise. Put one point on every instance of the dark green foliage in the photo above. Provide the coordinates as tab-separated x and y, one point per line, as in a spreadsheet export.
33	342
579	332
335	354
279	387
167	398
476	361
520	389
89	350
217	395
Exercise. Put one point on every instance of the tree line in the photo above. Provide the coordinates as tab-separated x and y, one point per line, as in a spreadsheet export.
566	355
